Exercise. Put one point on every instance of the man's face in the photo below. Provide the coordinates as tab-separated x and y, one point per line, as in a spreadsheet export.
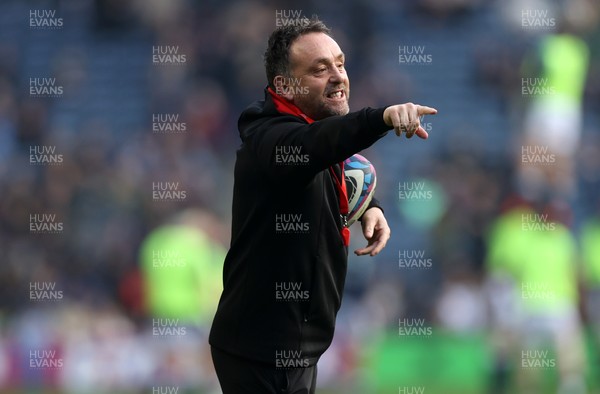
320	85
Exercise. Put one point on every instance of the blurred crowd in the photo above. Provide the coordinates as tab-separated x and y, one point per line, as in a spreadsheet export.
125	283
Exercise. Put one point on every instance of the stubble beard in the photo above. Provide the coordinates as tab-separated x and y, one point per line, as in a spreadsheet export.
321	109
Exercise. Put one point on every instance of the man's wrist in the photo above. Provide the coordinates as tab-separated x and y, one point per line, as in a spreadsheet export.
373	204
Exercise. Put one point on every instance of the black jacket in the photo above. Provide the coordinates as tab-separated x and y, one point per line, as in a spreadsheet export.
284	273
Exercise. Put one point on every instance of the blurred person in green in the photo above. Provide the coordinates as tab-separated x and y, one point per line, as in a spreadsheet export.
181	265
553	81
532	253
502	262
590	258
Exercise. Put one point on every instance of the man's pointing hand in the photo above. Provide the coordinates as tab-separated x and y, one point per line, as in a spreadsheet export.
405	118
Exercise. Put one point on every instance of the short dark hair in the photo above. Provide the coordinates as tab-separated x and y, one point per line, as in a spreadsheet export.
278	49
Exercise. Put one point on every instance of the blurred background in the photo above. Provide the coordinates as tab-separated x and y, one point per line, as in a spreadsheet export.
117	142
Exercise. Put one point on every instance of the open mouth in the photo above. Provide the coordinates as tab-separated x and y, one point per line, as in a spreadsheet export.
336	95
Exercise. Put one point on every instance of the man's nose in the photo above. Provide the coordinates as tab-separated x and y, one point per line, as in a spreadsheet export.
336	76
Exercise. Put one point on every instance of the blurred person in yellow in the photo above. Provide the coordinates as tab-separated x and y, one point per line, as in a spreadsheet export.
533	253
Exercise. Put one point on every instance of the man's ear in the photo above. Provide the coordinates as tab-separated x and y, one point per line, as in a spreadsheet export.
282	87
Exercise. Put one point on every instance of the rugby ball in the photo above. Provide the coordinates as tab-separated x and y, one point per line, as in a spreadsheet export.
361	180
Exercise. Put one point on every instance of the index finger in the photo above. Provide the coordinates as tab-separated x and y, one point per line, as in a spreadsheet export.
424	110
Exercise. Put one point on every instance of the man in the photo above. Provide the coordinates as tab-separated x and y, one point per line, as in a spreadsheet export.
284	273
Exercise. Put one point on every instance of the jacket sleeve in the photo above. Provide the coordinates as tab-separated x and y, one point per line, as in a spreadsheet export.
286	147
373	204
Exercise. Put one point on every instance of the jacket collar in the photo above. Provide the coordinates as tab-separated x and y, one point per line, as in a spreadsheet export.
285	107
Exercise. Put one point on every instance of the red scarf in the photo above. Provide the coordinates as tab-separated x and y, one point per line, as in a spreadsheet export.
285	107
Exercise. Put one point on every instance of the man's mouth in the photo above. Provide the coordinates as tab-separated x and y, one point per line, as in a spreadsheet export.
336	94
